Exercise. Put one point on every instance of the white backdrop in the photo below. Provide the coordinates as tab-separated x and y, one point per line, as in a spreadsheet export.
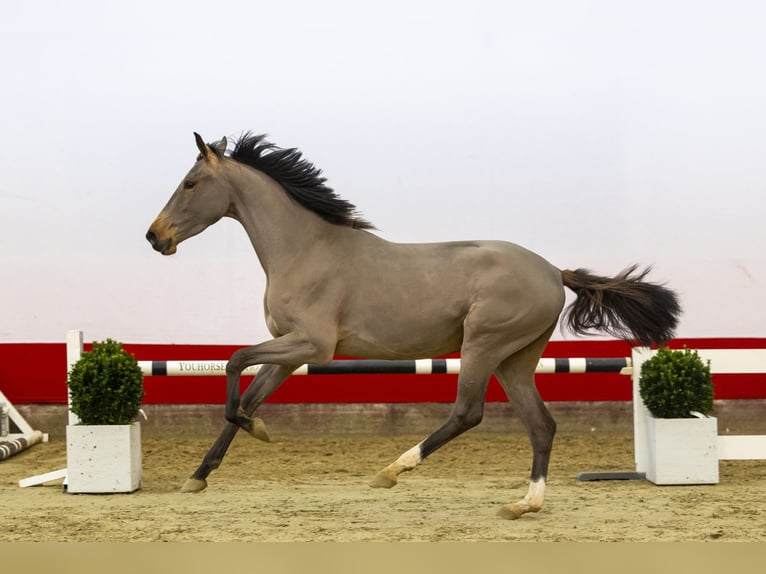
596	133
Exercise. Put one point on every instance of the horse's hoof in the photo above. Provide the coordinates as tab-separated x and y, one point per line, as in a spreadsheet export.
194	485
515	510
384	479
258	430
510	512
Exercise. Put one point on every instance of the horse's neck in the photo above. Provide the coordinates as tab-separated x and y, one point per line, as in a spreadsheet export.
279	229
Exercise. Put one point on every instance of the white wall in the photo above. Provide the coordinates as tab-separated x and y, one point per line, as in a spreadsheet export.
596	133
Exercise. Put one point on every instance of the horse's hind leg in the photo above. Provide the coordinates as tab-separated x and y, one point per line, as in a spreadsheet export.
516	375
266	382
466	413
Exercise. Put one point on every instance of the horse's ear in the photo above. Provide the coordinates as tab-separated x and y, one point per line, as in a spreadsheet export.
209	151
201	145
220	146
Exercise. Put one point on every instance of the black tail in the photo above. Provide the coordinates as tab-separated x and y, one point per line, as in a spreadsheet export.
624	306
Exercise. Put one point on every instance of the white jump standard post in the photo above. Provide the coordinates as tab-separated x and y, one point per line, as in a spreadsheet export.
729	447
74	346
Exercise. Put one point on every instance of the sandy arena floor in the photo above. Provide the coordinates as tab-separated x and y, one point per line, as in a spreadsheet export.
315	489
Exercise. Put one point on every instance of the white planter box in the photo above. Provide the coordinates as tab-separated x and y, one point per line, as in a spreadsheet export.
682	451
103	458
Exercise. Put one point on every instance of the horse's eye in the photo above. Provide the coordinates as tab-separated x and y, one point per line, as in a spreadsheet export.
188	184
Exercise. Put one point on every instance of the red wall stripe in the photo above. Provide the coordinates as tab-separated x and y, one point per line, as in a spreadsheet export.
36	373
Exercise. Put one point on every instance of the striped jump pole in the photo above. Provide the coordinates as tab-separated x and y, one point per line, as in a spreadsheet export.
14	446
14	443
621	365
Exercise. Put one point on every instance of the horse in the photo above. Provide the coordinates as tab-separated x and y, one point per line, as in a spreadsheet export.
334	287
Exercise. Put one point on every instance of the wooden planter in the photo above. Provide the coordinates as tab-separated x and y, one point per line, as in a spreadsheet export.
103	458
682	451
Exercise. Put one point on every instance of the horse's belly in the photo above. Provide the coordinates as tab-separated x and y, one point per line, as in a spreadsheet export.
402	339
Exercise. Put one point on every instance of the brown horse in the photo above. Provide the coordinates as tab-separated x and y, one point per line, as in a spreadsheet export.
333	287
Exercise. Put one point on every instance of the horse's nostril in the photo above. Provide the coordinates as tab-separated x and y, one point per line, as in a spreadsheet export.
151	237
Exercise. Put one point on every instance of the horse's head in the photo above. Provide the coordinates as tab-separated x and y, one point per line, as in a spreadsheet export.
200	200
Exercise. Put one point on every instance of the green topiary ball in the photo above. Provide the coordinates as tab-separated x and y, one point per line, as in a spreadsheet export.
106	385
674	383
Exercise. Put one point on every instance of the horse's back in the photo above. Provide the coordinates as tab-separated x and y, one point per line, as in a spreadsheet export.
455	269
472	263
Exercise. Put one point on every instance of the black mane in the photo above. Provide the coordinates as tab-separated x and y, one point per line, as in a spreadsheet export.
300	179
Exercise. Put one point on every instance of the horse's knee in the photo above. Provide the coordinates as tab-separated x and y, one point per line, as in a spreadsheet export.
542	435
550	424
469	418
545	431
234	364
473	420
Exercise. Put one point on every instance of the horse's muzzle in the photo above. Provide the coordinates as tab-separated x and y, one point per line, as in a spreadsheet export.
164	246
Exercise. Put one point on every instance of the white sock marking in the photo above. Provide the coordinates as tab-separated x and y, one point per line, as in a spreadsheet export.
535	494
410	459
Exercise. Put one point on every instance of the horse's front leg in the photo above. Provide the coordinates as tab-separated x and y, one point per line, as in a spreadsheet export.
289	351
269	378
